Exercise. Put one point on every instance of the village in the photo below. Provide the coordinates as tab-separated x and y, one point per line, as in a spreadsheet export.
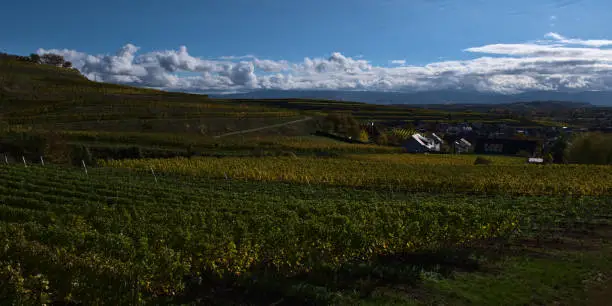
474	137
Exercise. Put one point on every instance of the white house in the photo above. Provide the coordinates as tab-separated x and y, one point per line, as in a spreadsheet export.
462	145
437	138
418	143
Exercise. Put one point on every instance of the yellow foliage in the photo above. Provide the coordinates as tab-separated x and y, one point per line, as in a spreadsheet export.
412	174
364	136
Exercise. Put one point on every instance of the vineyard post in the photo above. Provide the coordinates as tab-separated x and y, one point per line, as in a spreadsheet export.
84	167
42	161
155	177
227	181
24	161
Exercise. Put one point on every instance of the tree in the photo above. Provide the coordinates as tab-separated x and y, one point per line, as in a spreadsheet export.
364	136
344	124
558	150
52	59
67	65
591	148
35	58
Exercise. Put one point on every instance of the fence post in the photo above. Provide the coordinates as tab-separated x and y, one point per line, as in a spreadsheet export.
84	167
42	161
24	161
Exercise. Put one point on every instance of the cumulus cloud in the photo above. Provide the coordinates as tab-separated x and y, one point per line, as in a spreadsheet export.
553	63
271	66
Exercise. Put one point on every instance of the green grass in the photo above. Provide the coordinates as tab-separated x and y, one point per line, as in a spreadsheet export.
567	276
522	281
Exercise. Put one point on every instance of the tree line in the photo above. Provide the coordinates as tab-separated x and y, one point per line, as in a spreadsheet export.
45	59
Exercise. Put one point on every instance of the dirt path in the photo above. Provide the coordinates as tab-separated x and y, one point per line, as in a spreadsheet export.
264	127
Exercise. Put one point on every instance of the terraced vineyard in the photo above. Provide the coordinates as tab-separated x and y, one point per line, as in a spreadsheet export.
119	237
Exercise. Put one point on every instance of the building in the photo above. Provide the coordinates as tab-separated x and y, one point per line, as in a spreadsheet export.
437	138
462	146
418	143
505	146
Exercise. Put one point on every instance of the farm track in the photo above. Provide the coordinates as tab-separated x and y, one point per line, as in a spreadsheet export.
264	127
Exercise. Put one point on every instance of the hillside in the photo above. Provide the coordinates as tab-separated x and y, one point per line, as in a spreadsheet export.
38	99
600	98
46	97
43	96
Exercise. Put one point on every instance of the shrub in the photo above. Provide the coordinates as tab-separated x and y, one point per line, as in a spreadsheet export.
287	154
56	149
259	152
548	158
35	58
592	148
482	161
382	139
341	123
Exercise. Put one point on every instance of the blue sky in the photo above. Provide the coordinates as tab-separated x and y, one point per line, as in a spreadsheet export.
419	32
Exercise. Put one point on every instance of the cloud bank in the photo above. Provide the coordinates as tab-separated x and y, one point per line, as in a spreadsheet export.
553	63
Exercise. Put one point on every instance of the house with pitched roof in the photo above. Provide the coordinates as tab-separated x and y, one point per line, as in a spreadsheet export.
418	143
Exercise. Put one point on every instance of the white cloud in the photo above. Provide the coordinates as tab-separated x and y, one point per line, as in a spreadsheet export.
271	66
233	57
589	43
555	63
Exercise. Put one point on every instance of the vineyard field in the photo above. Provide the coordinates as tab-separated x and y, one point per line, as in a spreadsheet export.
411	174
122	237
438	159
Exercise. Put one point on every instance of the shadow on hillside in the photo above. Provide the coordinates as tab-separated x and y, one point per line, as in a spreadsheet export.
359	280
323	285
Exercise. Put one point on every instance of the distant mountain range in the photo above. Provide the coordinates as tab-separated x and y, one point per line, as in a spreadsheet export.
597	98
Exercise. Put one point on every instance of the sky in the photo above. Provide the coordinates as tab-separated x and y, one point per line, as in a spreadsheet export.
386	45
